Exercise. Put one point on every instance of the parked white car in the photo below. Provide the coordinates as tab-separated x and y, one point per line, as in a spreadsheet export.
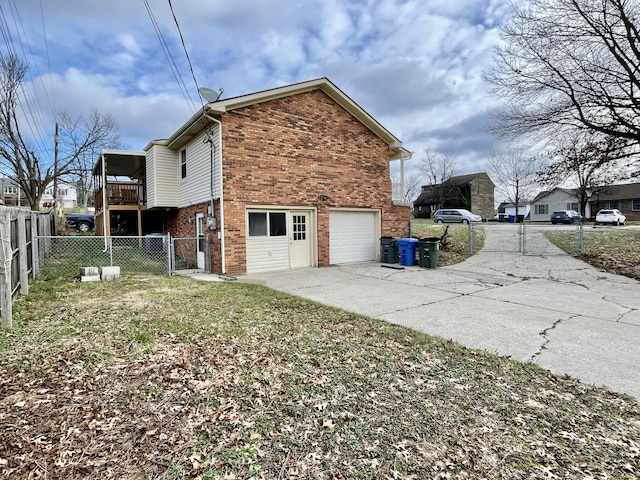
610	216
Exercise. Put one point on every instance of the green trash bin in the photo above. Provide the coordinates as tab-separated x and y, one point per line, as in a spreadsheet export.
389	250
428	251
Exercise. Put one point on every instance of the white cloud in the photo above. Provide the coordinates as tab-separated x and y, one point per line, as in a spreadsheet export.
415	65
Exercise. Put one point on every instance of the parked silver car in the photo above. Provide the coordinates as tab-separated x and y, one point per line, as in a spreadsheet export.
611	216
455	215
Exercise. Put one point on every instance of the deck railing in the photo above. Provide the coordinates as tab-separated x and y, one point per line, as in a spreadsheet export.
120	194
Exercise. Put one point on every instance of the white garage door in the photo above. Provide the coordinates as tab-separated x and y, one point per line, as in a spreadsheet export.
352	236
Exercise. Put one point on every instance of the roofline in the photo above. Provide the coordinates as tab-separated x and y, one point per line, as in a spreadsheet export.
114	151
220	107
570	191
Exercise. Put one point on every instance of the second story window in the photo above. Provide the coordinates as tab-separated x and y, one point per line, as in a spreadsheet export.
11	190
183	163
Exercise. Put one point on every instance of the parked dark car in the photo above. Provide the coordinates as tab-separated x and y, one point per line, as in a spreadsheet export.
566	216
81	221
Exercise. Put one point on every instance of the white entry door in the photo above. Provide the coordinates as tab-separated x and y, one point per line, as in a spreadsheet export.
299	239
200	242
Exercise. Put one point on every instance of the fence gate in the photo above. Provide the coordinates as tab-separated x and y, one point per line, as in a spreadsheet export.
501	237
535	241
190	253
529	239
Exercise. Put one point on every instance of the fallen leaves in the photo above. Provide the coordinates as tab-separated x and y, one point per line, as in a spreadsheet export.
286	389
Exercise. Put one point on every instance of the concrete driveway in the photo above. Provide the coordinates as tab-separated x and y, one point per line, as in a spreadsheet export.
551	309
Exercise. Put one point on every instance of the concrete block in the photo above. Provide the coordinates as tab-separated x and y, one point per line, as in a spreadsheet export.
89	271
109	273
89	278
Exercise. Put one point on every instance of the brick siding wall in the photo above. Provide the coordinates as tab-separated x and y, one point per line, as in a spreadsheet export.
182	224
295	151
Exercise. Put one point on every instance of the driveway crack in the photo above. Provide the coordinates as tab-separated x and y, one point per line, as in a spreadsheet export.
544	334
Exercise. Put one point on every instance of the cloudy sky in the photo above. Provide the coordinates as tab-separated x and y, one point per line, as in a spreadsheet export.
415	65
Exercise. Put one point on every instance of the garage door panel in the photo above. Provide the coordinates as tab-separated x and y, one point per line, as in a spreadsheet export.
352	236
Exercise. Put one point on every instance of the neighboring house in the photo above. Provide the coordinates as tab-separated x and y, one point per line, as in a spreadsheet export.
296	176
475	192
547	202
625	197
10	193
67	196
509	209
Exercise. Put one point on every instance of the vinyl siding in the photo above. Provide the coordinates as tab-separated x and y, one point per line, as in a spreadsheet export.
196	187
556	201
162	170
267	254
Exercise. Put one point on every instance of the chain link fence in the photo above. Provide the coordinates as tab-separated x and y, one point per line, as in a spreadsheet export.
536	239
189	253
63	256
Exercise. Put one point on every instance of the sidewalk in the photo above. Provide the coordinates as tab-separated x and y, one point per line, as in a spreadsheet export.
553	310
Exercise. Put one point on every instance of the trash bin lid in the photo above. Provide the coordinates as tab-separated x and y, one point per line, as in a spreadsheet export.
430	239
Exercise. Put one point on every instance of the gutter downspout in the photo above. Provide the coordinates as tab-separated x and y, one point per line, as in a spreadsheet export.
223	260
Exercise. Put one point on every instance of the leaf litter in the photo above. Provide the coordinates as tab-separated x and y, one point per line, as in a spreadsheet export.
170	378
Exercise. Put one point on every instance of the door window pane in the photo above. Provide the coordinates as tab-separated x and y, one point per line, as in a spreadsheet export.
299	227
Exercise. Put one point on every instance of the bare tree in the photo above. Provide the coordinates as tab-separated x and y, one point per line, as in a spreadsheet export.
437	170
587	160
572	63
17	158
514	174
83	139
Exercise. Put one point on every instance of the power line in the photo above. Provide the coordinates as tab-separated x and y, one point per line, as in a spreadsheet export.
46	45
184	47
172	64
32	114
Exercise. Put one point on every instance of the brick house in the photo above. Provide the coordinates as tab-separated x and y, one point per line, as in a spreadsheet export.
295	176
475	192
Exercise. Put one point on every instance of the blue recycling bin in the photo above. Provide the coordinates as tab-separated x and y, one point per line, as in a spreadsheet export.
408	251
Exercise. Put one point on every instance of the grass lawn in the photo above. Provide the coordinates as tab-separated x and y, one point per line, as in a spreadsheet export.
170	378
612	250
455	247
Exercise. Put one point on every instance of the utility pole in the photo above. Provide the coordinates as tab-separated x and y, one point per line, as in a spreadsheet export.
56	141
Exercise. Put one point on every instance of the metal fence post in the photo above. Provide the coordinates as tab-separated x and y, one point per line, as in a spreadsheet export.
470	232
580	239
523	239
170	254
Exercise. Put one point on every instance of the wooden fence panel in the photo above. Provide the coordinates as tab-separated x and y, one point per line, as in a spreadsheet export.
19	253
